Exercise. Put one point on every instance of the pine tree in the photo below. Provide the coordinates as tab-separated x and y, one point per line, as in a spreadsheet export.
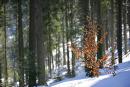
41	36
100	31
32	46
20	44
5	49
125	26
119	29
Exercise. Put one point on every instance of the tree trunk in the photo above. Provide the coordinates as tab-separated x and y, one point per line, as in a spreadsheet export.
58	54
32	45
100	31
63	40
84	5
67	37
112	30
128	15
20	44
49	53
72	29
125	26
5	50
73	64
119	30
41	30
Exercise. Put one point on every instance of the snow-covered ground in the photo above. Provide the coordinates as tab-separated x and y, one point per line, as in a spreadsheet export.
121	79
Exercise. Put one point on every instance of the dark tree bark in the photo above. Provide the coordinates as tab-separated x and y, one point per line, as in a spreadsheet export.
0	48
119	30
20	44
72	29
84	10
125	25
100	30
37	40
41	30
32	45
5	48
112	30
67	36
49	53
128	15
63	40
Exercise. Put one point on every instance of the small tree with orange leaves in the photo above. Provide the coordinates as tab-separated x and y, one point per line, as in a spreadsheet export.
90	49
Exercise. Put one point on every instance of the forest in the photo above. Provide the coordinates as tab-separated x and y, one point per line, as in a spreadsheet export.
45	39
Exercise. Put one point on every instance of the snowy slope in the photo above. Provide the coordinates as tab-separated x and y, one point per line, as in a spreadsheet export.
120	80
105	80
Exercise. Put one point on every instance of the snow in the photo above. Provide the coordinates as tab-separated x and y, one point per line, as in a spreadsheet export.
121	79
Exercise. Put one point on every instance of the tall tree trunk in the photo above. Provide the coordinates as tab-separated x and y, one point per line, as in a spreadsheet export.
32	45
84	5
58	53
5	50
50	53
63	40
125	25
72	29
107	29
112	30
49	41
41	30
73	63
1	47
67	37
20	44
128	15
119	30
100	31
